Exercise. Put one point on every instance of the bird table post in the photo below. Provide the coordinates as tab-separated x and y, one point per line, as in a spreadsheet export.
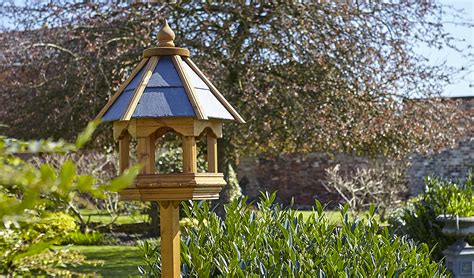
167	92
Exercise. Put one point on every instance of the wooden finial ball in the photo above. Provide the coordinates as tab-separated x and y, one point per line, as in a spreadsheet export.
166	36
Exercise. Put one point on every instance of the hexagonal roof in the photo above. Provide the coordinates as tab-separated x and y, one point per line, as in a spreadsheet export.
166	83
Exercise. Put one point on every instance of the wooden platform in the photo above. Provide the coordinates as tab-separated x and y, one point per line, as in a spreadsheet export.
176	187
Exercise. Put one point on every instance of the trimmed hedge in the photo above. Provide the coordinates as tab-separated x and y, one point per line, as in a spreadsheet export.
276	242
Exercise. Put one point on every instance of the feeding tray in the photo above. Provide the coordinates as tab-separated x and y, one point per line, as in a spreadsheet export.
179	186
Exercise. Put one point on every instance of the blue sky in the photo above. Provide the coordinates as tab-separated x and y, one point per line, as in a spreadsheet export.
463	85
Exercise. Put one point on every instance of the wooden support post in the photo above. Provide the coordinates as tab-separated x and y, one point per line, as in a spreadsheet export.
146	153
189	154
211	153
124	152
170	239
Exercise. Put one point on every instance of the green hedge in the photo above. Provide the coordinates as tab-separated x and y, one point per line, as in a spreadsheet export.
418	219
276	242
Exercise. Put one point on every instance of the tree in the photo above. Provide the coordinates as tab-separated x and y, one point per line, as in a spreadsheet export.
331	77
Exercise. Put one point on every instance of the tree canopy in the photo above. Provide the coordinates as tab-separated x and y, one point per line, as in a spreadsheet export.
334	77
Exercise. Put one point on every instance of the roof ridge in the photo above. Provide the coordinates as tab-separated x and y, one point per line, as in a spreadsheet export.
122	88
152	63
198	110
214	91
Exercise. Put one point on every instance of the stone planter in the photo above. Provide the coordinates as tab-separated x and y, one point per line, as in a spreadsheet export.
460	255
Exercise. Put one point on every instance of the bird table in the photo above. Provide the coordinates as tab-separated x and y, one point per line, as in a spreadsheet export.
167	92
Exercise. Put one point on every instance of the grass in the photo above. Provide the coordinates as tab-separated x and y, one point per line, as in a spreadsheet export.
119	261
334	216
98	216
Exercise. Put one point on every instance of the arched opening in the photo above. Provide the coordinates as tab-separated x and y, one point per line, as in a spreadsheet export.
209	149
169	154
201	154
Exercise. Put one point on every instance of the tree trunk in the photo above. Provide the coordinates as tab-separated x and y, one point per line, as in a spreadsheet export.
154	214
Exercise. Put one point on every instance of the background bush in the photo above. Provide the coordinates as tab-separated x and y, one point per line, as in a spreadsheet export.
276	242
418	219
382	183
80	238
54	225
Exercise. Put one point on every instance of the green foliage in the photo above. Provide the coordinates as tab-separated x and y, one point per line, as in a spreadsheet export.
187	223
87	238
170	156
276	242
54	225
418	219
51	263
27	228
232	190
28	250
23	186
150	252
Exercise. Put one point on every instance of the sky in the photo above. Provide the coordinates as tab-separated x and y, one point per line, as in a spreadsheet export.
463	85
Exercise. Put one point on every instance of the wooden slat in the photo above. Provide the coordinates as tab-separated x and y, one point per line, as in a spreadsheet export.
121	88
179	180
188	87
130	194
141	87
170	238
151	154
214	90
189	154
146	153
211	153
179	194
119	128
124	152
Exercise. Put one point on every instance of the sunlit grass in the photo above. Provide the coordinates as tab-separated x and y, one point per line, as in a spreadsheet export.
97	216
334	216
119	261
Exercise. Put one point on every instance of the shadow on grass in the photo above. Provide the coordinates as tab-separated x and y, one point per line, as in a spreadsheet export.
119	261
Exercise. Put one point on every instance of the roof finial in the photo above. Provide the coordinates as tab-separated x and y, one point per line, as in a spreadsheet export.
166	36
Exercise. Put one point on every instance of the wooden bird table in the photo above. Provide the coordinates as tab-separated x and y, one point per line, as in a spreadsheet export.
167	92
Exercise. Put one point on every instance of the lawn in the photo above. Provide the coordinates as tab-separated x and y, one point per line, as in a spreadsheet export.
334	216
97	216
119	261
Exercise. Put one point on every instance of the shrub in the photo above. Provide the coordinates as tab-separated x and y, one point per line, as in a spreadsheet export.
51	264
275	242
418	219
55	225
150	250
86	238
383	184
233	191
27	230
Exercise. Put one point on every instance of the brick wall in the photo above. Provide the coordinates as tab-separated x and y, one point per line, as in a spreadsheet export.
453	163
293	176
302	177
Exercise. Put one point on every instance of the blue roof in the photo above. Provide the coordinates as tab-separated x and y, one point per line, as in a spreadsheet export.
165	95
209	103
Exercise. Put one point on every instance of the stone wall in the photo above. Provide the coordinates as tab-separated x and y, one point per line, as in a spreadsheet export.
302	177
294	177
452	163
